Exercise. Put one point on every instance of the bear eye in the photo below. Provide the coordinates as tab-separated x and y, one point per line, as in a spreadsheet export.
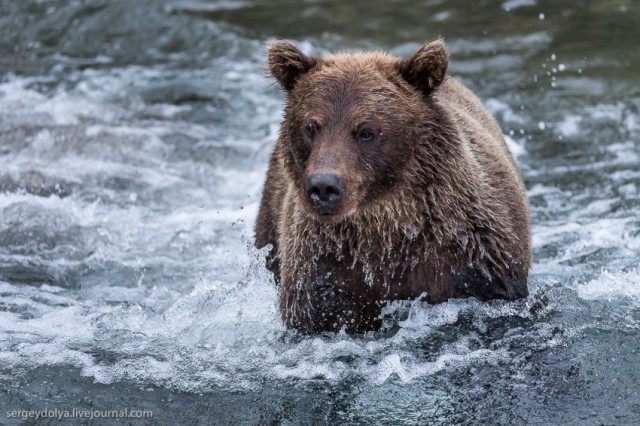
366	134
311	129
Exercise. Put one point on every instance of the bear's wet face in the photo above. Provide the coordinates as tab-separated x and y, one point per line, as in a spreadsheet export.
345	138
346	122
347	146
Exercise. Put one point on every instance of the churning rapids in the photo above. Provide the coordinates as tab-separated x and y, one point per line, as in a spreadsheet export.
134	139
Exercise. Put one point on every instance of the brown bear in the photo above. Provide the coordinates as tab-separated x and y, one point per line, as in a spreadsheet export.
390	180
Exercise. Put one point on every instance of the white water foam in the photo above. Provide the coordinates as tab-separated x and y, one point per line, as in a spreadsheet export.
611	286
510	5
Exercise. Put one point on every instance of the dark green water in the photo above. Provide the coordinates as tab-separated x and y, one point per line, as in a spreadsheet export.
134	137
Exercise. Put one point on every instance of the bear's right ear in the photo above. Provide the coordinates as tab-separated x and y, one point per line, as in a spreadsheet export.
287	63
427	67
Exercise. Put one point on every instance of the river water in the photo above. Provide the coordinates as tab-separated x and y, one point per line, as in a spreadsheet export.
134	139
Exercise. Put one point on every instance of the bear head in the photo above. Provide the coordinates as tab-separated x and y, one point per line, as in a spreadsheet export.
352	122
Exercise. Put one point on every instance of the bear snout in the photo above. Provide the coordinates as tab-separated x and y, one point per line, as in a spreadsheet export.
324	191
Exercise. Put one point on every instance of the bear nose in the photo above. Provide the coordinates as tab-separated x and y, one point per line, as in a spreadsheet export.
324	188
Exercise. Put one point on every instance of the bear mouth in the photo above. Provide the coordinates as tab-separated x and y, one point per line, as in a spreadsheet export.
326	212
330	214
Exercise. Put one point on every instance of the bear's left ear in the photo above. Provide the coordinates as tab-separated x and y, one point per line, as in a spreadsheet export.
427	67
287	63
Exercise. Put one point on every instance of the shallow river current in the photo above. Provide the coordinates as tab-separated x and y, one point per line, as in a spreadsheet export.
134	138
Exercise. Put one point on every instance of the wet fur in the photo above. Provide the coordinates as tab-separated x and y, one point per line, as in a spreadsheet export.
440	207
